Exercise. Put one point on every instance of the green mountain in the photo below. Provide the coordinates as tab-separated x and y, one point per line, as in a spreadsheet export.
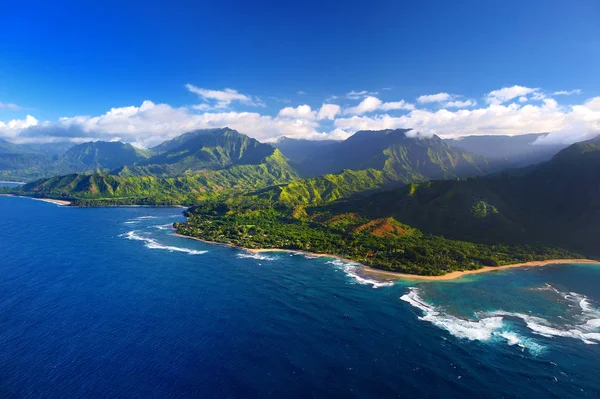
129	188
27	161
79	158
554	203
99	155
200	150
300	150
375	160
415	158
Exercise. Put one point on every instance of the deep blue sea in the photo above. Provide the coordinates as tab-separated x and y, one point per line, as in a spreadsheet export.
99	303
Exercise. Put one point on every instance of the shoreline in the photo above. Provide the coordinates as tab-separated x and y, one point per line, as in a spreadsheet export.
262	250
53	201
50	200
405	276
486	269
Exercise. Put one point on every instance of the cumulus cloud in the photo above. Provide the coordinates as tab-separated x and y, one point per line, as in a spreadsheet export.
510	112
300	112
328	111
14	127
150	124
460	104
505	94
371	104
565	125
433	98
220	99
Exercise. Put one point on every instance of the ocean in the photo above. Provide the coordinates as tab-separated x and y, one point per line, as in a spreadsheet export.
106	302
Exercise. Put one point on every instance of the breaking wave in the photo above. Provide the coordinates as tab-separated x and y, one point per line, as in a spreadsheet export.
251	255
352	271
491	325
154	244
168	226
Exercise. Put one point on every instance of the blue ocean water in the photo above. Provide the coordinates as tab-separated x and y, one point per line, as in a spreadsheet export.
107	303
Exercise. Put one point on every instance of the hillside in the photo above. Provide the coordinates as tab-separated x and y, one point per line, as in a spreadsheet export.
108	189
98	155
557	202
84	157
375	160
202	149
415	158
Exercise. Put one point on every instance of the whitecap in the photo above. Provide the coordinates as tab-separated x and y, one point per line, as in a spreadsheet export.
483	329
474	330
351	269
252	255
538	325
513	338
167	226
154	244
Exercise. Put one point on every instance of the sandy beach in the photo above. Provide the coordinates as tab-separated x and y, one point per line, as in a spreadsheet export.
485	269
405	276
53	201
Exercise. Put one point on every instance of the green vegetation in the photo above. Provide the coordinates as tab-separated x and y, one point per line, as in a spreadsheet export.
106	189
249	195
384	243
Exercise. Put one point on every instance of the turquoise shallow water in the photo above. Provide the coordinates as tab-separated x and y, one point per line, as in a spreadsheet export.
106	303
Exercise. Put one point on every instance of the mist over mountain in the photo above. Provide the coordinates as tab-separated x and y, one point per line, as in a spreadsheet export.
513	151
396	152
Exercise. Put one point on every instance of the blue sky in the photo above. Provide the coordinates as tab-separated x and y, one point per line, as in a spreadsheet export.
68	59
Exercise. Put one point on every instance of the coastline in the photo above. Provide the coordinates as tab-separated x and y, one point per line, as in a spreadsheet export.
486	269
405	276
53	201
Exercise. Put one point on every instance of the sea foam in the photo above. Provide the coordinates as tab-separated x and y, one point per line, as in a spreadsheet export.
151	243
252	255
351	269
490	328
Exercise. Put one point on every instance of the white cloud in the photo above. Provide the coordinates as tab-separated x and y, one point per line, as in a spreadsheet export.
434	98
9	106
14	127
149	123
565	125
328	111
371	104
355	95
566	92
397	105
300	112
460	104
221	99
300	93
505	94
